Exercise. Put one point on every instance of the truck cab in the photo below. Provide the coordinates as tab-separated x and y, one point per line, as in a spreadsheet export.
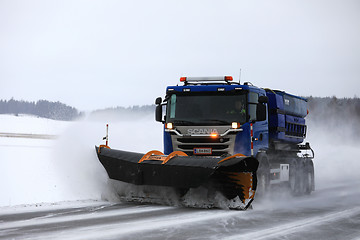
214	116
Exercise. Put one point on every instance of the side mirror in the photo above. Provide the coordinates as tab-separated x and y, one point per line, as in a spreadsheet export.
260	111
158	101
158	110
263	99
158	113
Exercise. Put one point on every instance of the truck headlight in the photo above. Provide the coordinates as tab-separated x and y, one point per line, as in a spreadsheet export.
235	125
169	125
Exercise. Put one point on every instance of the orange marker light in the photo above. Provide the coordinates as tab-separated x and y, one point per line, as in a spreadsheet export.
169	125
214	135
182	79
228	78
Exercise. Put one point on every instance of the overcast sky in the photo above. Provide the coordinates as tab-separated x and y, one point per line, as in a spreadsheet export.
97	54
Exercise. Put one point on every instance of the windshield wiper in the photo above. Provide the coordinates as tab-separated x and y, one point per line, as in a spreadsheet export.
183	122
216	121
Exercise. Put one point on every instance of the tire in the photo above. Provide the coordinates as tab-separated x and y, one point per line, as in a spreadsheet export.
301	180
295	178
263	176
309	178
182	192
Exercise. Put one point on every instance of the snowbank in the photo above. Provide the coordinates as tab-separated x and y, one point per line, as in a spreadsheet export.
31	124
65	168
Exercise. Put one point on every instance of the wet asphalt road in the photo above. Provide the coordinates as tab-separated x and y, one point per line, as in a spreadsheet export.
332	213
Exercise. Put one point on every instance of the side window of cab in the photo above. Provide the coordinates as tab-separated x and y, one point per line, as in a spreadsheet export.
253	100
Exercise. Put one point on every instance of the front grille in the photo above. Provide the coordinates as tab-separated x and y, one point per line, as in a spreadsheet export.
219	146
203	140
192	146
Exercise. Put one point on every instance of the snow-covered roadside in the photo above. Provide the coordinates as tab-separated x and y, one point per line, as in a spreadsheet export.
26	175
31	125
65	168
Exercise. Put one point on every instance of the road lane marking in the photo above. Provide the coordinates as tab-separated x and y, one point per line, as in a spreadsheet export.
113	230
78	217
285	229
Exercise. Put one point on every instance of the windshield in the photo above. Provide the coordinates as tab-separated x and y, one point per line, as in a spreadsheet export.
206	109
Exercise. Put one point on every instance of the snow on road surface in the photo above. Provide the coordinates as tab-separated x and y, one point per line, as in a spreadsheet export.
53	189
305	218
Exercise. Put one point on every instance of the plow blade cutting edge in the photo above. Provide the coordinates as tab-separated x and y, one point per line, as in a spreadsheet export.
233	176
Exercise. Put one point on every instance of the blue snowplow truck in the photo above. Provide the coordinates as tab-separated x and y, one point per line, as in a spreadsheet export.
231	138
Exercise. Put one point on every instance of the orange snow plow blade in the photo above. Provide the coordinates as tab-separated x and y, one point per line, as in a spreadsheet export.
234	176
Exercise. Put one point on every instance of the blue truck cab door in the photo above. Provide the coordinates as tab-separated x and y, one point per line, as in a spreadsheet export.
260	127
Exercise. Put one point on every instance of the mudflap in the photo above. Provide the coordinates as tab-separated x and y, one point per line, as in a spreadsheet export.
234	177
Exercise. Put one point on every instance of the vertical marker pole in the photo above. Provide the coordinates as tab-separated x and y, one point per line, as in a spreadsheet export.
107	134
240	76
251	139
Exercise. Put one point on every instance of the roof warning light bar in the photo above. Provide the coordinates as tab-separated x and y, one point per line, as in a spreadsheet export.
199	80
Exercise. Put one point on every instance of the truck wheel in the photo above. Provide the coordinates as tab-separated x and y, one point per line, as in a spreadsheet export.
262	182
294	179
309	178
263	176
303	181
182	192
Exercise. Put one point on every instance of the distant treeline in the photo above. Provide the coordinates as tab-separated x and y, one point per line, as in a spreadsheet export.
339	117
327	110
41	108
122	113
332	108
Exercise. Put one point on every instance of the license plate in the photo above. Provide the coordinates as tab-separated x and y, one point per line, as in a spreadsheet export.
202	151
